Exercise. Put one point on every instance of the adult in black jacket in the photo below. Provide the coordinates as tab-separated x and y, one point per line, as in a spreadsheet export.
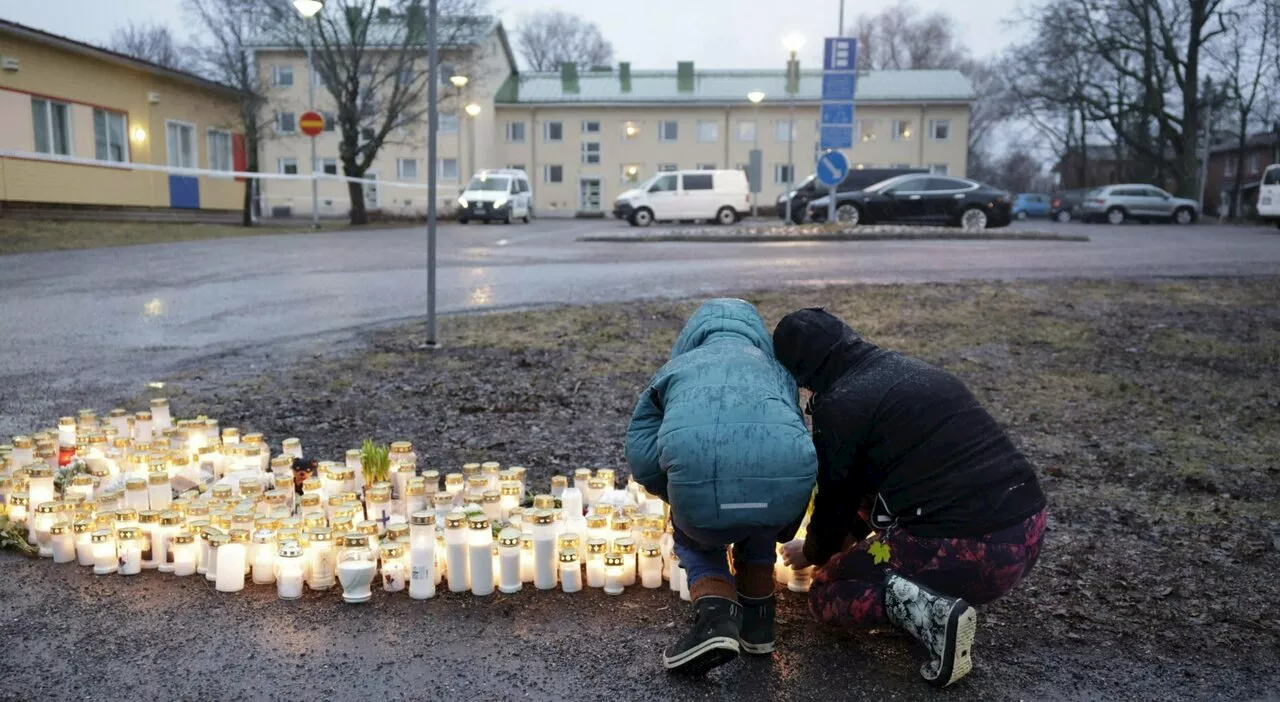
923	504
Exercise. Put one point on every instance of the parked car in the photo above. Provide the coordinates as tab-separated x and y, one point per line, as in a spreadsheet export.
1067	204
1269	195
921	199
811	189
500	194
1031	205
1118	203
722	196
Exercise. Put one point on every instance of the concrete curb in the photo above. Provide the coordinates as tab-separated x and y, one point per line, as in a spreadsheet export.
838	236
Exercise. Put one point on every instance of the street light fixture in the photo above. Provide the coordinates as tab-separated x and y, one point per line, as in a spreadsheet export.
755	96
308	8
459	82
792	42
472	109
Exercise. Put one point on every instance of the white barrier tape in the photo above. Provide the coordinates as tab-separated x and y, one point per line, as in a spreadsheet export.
176	170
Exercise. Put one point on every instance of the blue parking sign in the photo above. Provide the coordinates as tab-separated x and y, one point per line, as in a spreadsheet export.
837	113
835	136
840	54
839	87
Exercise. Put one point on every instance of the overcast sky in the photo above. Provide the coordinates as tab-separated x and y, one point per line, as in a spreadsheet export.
649	33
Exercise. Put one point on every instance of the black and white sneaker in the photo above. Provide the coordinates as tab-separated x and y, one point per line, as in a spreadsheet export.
711	641
758	614
945	625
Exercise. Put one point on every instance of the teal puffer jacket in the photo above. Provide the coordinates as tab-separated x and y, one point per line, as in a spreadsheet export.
718	433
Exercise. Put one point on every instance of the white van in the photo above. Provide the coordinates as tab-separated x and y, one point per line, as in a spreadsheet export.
500	194
1269	195
720	196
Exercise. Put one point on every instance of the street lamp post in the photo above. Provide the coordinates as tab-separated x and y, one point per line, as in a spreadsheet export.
308	9
792	43
755	96
459	82
473	111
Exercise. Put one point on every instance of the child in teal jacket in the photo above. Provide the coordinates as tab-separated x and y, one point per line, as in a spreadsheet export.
719	435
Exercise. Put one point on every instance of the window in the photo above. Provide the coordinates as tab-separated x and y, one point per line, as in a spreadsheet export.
330	120
901	129
631	173
282	75
781	174
287	166
943	185
553	131
448	169
1229	170
329	166
445	71
219	150
667	167
706	167
515	132
1255	163
180	143
591	152
664	184
590	127
1271	177
552	174
407	168
747	131
52	121
940	129
783	131
406	76
708	132
367	134
867	129
938	169
701	181
668	130
447	123
286	123
108	137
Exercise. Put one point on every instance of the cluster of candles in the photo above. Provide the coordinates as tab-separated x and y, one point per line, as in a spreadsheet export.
199	500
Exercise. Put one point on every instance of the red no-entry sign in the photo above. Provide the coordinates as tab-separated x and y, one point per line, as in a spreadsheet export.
311	123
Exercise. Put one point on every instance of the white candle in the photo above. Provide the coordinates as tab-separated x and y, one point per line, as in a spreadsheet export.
509	561
142	427
595	490
544	550
609	477
289	578
356	578
264	558
682	576
160	416
324	559
570	571
149	521
216	541
526	558
595	572
162	539
394	577
455	539
84	541
613	574
183	548
46	514
781	571
674	577
422	555
800	579
232	562
67	431
64	543
480	547
627	548
104	552
129	551
651	566
159	491
510	497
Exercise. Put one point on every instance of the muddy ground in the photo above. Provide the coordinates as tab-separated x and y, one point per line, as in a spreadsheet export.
1149	408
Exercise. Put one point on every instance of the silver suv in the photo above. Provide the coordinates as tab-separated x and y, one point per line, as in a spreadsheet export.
1117	203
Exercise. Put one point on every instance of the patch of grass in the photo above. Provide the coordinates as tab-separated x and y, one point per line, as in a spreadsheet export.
30	236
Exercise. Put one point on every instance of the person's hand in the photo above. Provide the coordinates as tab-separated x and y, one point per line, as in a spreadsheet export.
793	554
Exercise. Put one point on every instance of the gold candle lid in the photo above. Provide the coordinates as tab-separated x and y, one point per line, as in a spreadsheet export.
543	517
355	540
559	481
252	487
82	480
492	496
183	538
470	469
455	520
59	527
596	483
290	549
217	540
432	479
321	534
101	536
544	502
279	463
128	533
342	525
23	442
66	421
625	546
156	479
526	541
415	487
569	541
19	499
291	443
568	556
454	480
478	521
311	485
312	499
367	527
596	521
39	470
314	520
597	546
83	526
143	416
398	531
520	472
401	447
477	483
222	492
128	514
278	497
651	550
334	500
490	466
613	559
442	499
582	474
378	494
148	516
510	489
239	536
47	508
170	518
253	438
509	537
393	549
423	518
621	524
603	510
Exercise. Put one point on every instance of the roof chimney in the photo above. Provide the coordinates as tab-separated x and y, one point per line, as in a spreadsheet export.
624	75
569	77
684	76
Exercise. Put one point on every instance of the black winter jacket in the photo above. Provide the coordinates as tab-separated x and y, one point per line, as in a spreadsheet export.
901	435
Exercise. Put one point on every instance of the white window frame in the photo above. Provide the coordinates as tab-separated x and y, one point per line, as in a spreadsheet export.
48	123
546	174
780	127
511	132
586	126
749	139
210	135
668	167
400	164
866	129
933	129
323	163
281	113
662	131
106	124
938	169
588	153
546	131
1255	163
283	161
780	173
714	128
898	134
449	126
330	120
168	144
442	174
706	167
278	70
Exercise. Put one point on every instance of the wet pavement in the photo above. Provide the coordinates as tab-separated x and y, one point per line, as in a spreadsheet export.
84	325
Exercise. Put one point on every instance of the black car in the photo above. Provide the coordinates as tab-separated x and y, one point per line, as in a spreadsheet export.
811	189
920	199
1066	205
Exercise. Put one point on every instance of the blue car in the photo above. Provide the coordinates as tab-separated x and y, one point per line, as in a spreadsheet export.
1032	205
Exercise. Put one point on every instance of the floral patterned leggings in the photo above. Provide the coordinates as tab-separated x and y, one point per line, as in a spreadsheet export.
849	590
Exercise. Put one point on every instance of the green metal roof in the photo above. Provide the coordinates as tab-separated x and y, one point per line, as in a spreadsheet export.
601	87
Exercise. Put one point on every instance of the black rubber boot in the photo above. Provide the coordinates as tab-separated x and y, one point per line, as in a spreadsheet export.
757	624
712	641
945	625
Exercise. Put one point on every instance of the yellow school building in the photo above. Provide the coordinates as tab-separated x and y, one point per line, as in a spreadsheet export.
79	120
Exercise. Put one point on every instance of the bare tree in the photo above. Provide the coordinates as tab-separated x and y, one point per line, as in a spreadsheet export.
372	61
1247	66
150	42
548	38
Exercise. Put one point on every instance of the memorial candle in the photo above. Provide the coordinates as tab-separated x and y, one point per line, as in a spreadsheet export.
160	414
46	515
509	561
232	561
492	505
454	483
626	547
64	543
510	498
800	579
104	552
291	447
613	574
580	478
148	522
415	496
142	427
570	571
40	484
289	571
67	431
263	560
544	547
609	477
559	484
490	471
442	503
159	491
651	565
455	539
83	531
183	548
378	507
129	550
480	550
595	490
526	557
596	551
394	573
162	541
422	556
356	568
18	503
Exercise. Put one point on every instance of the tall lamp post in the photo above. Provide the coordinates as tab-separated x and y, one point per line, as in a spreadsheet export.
459	82
755	96
473	111
308	9
792	43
